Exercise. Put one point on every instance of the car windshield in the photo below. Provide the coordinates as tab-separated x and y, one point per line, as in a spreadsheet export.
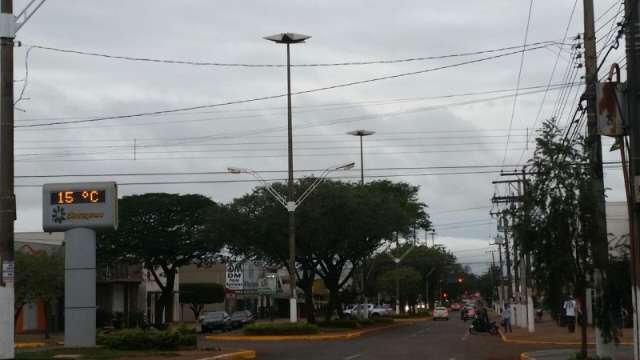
239	315
214	316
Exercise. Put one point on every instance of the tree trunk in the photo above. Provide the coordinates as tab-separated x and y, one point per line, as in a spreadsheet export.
582	296
159	310
168	294
45	306
16	314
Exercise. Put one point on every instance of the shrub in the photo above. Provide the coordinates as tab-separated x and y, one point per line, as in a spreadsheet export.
147	340
341	324
281	329
383	320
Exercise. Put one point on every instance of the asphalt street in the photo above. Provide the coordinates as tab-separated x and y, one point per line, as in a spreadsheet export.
438	340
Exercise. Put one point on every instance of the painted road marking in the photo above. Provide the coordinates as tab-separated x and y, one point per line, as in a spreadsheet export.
352	357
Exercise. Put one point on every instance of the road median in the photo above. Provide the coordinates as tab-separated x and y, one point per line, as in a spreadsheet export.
346	335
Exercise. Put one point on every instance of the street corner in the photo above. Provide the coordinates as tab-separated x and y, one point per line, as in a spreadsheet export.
234	355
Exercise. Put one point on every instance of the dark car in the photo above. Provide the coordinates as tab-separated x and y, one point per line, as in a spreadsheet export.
218	320
242	318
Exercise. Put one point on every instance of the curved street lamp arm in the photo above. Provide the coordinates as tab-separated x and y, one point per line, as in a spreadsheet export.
281	199
26	14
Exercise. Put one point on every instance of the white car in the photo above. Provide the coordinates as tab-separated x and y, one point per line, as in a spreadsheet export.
440	312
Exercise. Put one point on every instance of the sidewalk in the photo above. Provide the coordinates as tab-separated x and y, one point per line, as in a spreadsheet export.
548	332
564	354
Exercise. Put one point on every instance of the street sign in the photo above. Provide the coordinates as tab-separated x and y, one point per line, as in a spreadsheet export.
79	205
610	108
234	276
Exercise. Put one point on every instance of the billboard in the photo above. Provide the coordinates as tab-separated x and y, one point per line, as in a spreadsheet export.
234	278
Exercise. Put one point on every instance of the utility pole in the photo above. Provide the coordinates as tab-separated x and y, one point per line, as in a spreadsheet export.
7	196
633	101
500	278
599	241
505	225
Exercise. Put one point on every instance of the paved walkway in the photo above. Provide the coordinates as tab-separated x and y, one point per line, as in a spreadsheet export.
548	331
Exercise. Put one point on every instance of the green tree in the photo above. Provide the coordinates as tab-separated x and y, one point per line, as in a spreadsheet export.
553	226
198	295
39	276
407	280
337	228
164	232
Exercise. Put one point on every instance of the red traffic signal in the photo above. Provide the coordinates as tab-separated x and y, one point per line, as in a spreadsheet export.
460	280
445	295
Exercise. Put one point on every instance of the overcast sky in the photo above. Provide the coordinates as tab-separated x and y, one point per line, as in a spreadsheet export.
418	125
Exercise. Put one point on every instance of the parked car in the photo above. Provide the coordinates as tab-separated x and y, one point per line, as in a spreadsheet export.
380	310
242	318
456	307
440	312
354	311
218	320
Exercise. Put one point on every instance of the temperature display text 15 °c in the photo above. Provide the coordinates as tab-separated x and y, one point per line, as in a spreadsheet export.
77	197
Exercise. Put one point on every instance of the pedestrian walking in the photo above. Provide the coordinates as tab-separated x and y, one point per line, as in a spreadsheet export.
570	313
506	318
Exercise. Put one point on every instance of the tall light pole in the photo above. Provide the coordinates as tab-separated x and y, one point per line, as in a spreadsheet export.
291	205
288	39
361	133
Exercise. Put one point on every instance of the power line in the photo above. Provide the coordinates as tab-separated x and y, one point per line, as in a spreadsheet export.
553	71
270	97
247	65
515	98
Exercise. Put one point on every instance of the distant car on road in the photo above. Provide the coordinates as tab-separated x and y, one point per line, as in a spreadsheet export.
440	312
456	307
242	318
218	320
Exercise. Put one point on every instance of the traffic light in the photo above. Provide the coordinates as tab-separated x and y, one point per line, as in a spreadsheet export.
445	295
460	280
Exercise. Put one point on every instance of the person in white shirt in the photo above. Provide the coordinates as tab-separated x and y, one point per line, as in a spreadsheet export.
570	313
506	318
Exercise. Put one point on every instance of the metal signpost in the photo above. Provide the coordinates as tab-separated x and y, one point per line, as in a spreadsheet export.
79	209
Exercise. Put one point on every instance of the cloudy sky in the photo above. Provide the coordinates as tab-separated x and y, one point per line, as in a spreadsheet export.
444	126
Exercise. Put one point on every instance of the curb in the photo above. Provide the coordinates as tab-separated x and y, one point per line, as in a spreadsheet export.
545	342
29	345
341	336
238	355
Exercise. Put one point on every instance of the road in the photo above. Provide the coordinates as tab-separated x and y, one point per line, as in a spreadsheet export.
437	340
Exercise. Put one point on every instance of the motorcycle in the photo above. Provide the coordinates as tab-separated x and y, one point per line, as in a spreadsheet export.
479	326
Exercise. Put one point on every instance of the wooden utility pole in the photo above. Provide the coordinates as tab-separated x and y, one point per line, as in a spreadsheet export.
7	197
633	100
505	229
598	226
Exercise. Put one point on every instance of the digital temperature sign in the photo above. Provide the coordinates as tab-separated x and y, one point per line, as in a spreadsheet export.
88	196
80	205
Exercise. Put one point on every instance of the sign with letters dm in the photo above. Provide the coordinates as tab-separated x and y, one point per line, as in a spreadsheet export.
235	276
79	205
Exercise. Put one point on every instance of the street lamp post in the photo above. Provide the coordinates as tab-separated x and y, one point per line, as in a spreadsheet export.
288	39
291	205
361	133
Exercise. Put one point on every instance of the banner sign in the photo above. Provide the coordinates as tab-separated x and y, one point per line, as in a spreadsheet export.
234	276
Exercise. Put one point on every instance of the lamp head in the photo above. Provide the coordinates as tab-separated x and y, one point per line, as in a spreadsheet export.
361	132
235	170
287	38
347	166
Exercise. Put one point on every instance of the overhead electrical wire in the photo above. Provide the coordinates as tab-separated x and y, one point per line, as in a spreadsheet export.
553	71
515	98
247	65
245	101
